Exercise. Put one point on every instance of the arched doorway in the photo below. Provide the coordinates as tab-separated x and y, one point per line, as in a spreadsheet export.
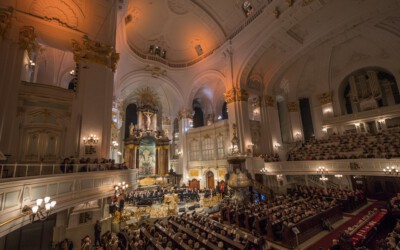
210	180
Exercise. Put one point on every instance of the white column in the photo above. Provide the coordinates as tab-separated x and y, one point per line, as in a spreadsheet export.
94	95
11	66
268	114
185	117
239	114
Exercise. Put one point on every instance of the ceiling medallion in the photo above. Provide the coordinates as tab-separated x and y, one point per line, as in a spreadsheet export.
178	6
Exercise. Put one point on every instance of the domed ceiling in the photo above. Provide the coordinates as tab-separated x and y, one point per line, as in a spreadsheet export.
183	30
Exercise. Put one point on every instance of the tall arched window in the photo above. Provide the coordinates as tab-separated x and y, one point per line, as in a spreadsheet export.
130	117
198	116
224	111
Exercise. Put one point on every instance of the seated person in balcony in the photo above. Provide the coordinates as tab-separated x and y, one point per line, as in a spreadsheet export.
64	165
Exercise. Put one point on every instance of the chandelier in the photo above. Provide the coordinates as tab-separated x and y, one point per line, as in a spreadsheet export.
391	170
322	170
91	140
120	187
323	178
41	210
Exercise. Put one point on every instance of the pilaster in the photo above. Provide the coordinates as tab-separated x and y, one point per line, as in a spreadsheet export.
295	120
269	113
185	117
12	53
236	100
92	106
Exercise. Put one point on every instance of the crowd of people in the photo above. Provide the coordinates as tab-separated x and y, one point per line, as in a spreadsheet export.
385	144
273	157
71	165
153	196
349	199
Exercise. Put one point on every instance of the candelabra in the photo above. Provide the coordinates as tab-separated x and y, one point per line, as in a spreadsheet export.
41	210
91	140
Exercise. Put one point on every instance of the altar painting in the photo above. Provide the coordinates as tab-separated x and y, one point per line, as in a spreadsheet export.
147	157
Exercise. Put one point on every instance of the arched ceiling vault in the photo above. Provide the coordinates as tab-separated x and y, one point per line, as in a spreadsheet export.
328	25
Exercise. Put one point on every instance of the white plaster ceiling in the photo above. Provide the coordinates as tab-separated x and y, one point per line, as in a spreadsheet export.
179	25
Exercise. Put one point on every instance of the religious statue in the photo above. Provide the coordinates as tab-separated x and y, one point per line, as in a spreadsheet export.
165	132
148	119
131	129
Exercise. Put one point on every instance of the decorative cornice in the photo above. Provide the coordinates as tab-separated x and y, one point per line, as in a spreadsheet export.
185	113
95	52
5	20
27	39
269	101
236	95
293	107
155	71
325	98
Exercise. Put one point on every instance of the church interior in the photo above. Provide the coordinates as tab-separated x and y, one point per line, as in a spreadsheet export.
197	124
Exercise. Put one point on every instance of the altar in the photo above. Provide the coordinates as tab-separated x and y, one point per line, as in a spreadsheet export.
147	147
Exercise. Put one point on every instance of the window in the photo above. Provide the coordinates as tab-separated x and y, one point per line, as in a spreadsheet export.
220	147
195	151
208	149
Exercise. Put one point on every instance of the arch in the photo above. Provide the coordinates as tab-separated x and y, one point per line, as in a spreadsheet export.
171	97
210	87
209	179
345	95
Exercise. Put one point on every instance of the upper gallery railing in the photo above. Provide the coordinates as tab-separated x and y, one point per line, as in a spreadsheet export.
369	166
68	190
18	170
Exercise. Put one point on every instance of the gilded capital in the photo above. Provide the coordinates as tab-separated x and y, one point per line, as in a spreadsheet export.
5	20
27	39
95	52
269	101
185	113
325	98
236	95
293	107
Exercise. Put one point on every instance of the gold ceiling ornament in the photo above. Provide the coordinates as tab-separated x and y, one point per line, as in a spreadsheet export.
236	95
5	20
325	98
147	98
27	39
95	52
269	101
293	107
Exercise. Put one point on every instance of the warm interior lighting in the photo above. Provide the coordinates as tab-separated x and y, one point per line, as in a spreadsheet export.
41	210
322	170
391	170
91	140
